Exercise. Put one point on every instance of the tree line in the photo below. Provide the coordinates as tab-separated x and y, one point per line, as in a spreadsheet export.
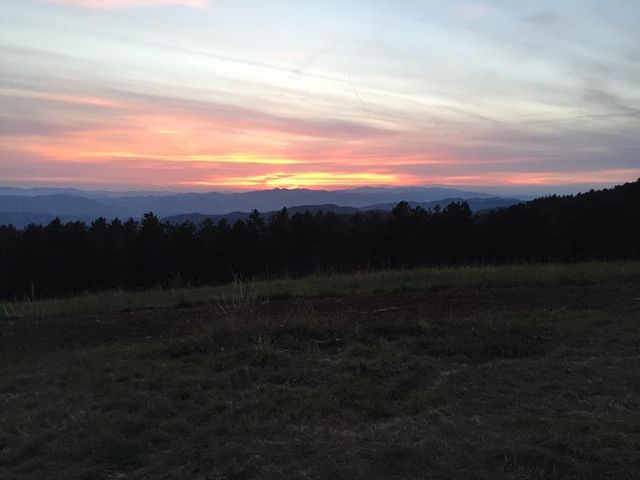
65	258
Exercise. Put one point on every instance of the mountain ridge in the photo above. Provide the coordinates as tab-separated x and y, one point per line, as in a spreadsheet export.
71	203
477	205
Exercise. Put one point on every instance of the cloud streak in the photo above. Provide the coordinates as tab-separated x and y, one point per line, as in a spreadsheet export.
124	4
542	18
239	147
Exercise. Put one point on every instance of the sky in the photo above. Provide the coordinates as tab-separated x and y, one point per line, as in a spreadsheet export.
252	94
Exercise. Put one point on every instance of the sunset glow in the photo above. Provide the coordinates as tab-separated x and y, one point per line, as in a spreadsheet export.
308	179
197	94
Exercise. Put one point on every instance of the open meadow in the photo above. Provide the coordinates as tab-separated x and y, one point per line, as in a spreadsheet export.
524	372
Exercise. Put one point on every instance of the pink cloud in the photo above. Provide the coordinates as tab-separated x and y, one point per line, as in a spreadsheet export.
117	4
116	138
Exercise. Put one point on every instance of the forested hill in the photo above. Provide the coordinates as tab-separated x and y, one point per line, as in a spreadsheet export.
64	258
599	224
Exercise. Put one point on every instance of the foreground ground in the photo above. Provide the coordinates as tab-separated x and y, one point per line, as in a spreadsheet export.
465	380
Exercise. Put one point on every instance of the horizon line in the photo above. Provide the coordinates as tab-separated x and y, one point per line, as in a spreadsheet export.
584	186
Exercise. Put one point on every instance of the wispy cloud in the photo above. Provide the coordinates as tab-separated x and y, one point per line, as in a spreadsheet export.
474	11
542	18
118	4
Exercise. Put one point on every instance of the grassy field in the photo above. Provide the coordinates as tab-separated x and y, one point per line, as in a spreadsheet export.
330	286
526	372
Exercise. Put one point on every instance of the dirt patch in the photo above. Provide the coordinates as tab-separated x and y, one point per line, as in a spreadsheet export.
397	309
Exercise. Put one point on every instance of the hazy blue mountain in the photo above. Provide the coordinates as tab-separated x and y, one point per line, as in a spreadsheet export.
197	218
176	204
476	204
267	200
61	205
76	192
90	205
35	192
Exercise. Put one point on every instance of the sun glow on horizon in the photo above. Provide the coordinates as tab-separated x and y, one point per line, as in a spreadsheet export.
306	180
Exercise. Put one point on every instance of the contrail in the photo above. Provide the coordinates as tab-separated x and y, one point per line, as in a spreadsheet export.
355	91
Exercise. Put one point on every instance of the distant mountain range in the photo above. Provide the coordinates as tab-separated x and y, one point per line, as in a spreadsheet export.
23	206
477	205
